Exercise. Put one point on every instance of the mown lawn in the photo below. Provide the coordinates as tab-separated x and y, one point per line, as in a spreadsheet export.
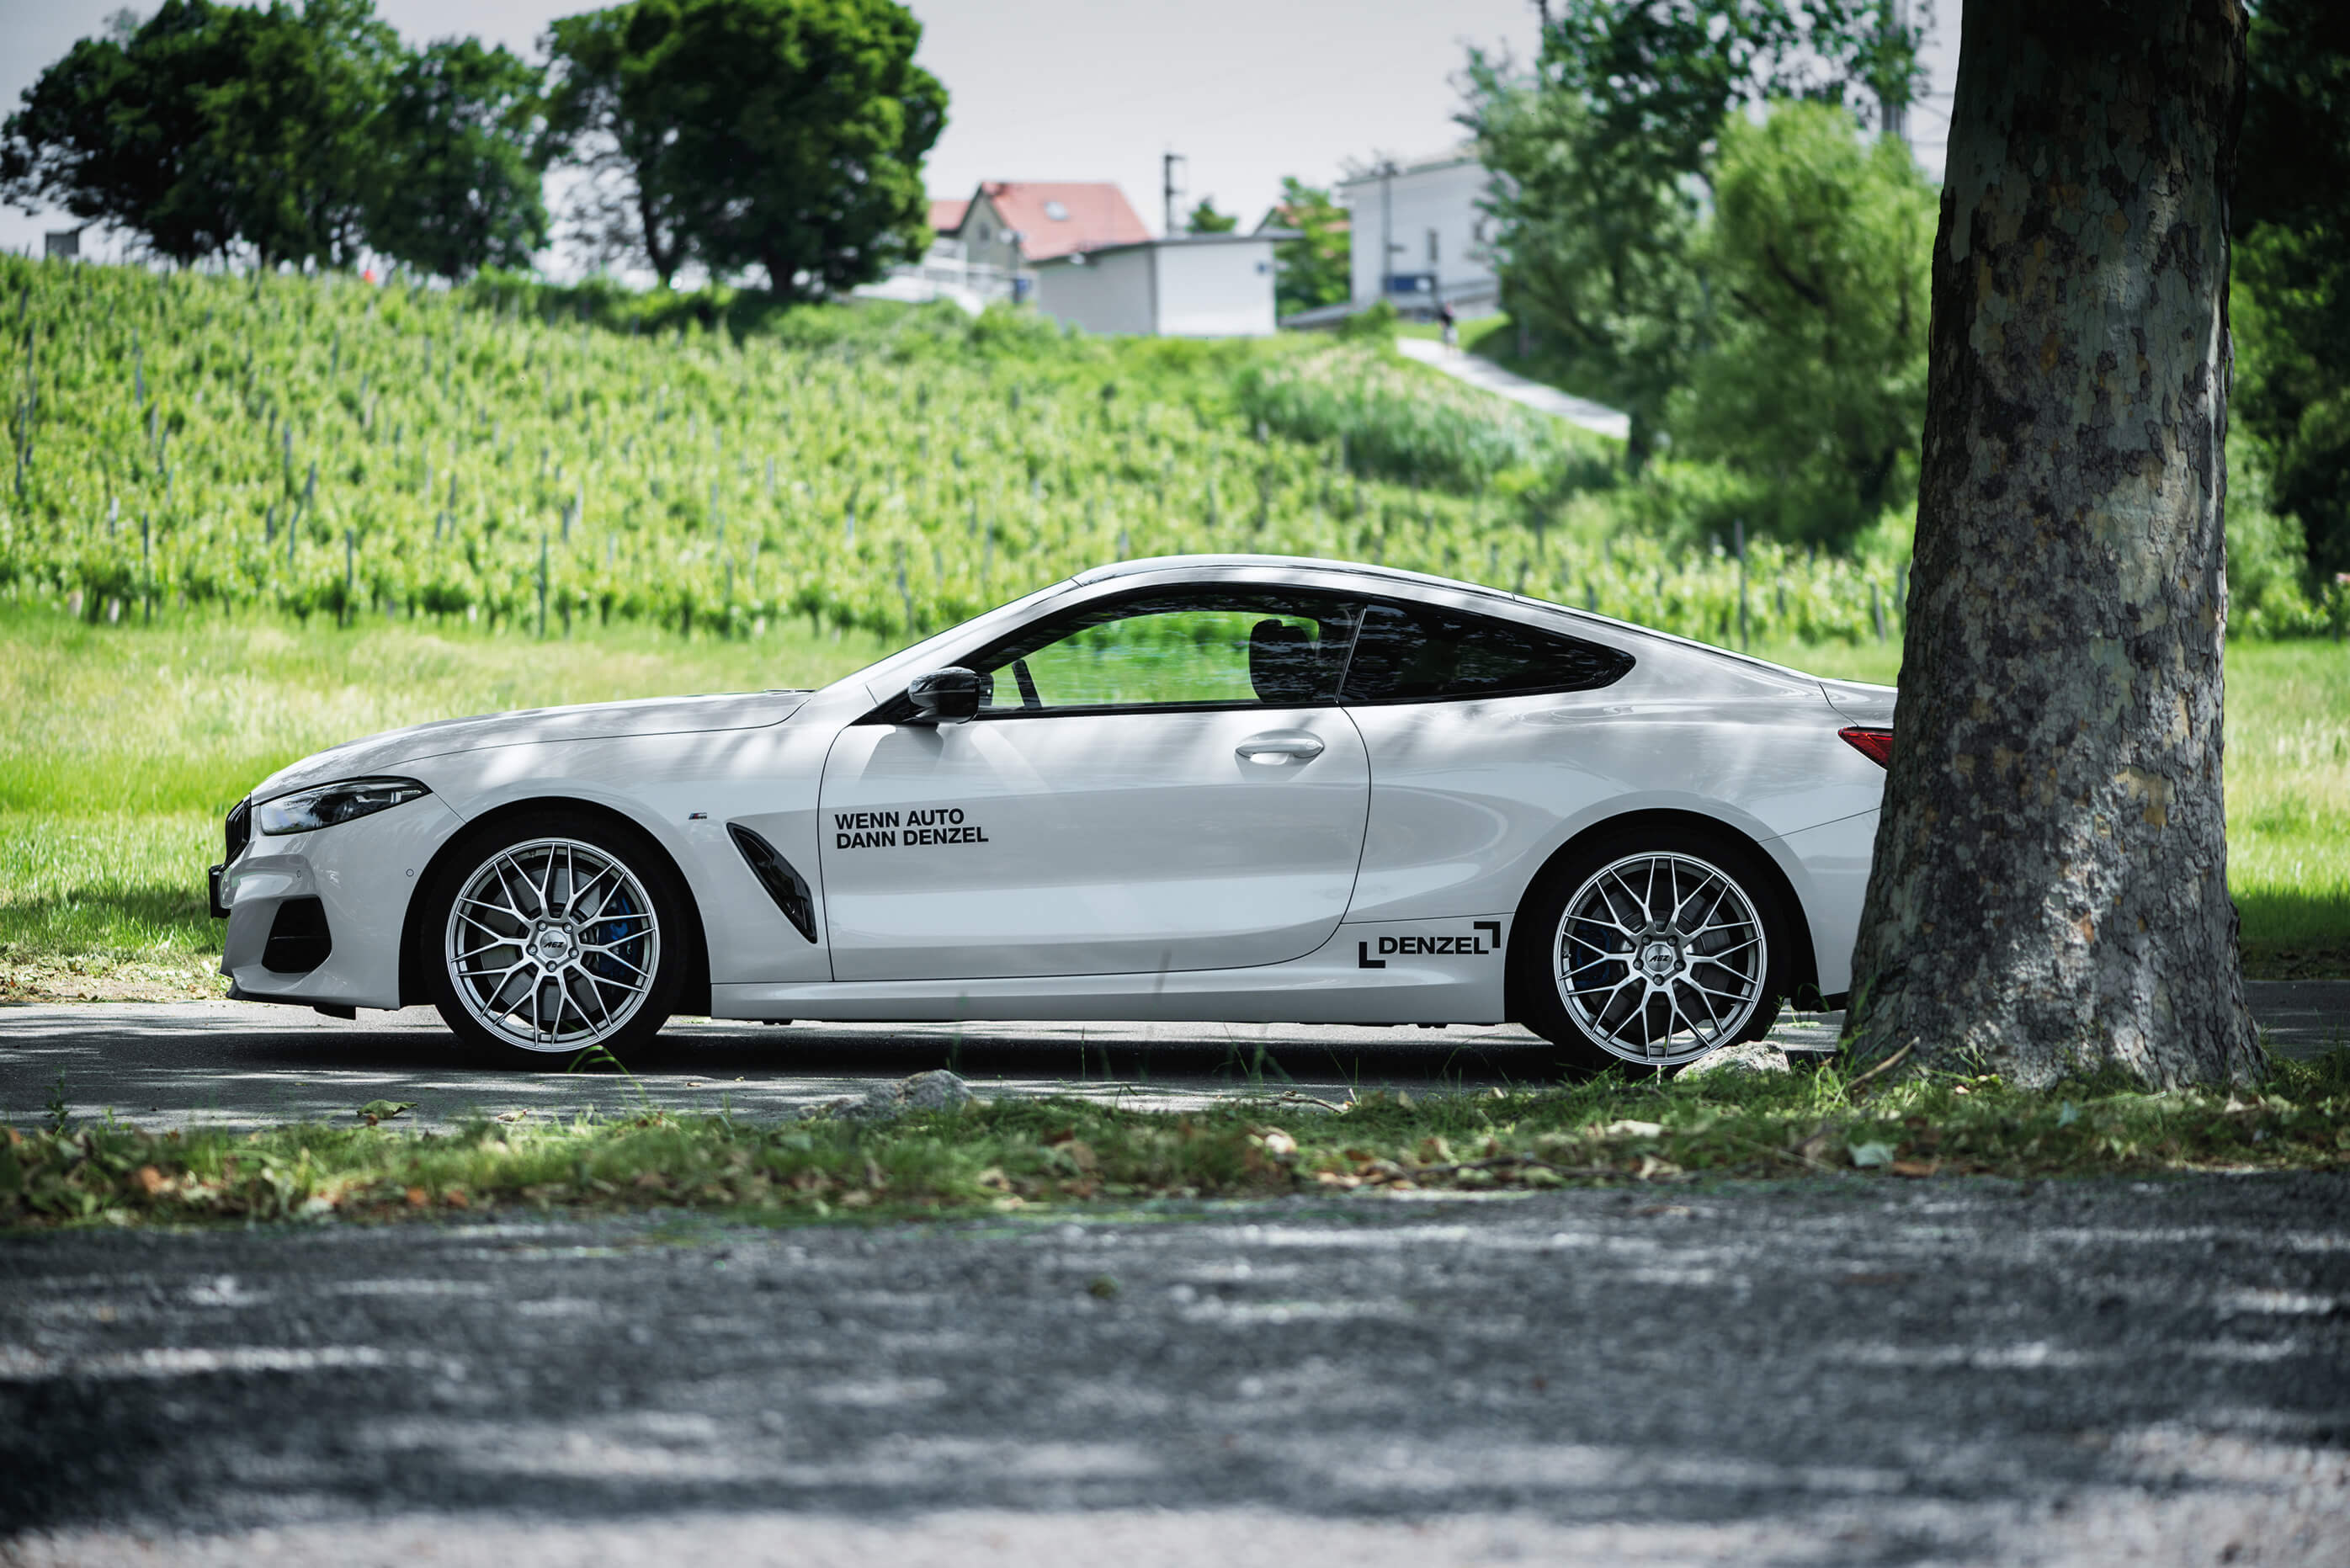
126	744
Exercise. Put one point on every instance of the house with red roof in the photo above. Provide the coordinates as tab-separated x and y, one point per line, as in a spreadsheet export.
1076	250
1012	224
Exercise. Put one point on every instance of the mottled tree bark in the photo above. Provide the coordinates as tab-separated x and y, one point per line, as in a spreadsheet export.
2050	890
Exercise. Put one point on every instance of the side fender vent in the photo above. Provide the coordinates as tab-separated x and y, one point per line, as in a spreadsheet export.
786	887
299	940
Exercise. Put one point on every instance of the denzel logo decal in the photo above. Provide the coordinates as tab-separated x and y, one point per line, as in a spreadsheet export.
1466	946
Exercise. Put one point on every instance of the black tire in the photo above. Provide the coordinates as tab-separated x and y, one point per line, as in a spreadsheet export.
1540	1000
638	916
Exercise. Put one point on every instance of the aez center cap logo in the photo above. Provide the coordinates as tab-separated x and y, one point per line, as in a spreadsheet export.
1472	946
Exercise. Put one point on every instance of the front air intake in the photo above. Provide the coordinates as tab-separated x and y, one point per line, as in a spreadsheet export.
783	885
299	940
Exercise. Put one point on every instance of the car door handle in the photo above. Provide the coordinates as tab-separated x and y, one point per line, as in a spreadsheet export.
1277	746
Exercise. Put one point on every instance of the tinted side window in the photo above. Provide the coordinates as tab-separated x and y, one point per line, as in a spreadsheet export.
1420	653
1196	648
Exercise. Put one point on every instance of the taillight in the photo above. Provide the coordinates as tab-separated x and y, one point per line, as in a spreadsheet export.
1877	746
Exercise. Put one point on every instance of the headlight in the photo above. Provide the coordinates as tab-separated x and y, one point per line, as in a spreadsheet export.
306	811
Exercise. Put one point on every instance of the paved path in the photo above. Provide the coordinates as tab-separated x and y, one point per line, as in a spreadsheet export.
1838	1372
1483	374
164	1064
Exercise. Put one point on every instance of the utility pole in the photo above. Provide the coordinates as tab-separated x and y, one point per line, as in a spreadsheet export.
1387	226
1172	193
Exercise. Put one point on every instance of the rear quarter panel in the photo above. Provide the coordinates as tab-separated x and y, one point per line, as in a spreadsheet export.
1469	800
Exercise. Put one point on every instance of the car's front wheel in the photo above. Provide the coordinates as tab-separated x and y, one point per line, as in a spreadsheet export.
1652	953
551	934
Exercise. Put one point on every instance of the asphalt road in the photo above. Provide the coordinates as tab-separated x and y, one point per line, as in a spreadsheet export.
1845	1372
165	1064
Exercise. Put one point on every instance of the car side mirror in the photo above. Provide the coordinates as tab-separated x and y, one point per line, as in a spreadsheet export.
947	696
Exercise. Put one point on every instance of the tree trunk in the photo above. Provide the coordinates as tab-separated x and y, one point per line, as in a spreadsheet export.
2049	888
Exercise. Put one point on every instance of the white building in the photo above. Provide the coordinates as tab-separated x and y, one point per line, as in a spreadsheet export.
984	244
1418	238
1194	285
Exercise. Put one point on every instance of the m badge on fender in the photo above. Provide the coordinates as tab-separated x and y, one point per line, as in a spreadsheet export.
1485	937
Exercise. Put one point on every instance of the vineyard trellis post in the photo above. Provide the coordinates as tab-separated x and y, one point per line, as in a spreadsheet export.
1738	538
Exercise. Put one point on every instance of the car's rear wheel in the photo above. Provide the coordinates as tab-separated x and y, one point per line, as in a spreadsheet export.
1653	952
552	934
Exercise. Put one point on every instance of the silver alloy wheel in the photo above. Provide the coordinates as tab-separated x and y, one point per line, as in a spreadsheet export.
1660	958
552	944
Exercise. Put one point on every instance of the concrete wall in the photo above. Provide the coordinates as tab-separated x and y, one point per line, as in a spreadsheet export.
1110	292
1219	289
1440	201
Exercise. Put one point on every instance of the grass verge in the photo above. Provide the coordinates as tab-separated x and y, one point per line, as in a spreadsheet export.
1019	1154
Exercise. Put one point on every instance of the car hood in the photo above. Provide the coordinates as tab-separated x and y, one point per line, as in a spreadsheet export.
1860	702
584	722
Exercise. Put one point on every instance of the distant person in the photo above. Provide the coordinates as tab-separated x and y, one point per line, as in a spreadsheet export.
1450	324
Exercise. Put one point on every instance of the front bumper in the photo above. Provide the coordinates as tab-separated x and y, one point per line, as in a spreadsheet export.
362	874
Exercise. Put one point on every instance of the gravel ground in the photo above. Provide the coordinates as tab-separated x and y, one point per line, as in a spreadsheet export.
1845	1370
242	1065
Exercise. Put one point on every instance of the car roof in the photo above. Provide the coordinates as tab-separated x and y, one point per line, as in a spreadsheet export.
1302	563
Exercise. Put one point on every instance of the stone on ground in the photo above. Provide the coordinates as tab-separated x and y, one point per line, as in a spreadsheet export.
1751	1056
933	1091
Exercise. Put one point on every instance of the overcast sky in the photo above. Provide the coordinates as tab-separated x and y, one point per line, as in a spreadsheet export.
1247	91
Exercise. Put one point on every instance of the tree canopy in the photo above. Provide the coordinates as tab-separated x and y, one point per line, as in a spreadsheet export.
301	134
119	130
458	186
1206	219
1601	147
1817	259
1314	267
2291	214
787	135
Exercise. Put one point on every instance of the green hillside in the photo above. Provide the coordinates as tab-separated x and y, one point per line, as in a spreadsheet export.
329	448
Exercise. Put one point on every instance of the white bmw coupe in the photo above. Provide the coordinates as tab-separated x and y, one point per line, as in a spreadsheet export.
1199	788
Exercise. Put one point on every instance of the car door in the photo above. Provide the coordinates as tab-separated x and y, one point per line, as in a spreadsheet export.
1158	781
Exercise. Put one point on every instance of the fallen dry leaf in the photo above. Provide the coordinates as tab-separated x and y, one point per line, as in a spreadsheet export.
1629	1128
150	1179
